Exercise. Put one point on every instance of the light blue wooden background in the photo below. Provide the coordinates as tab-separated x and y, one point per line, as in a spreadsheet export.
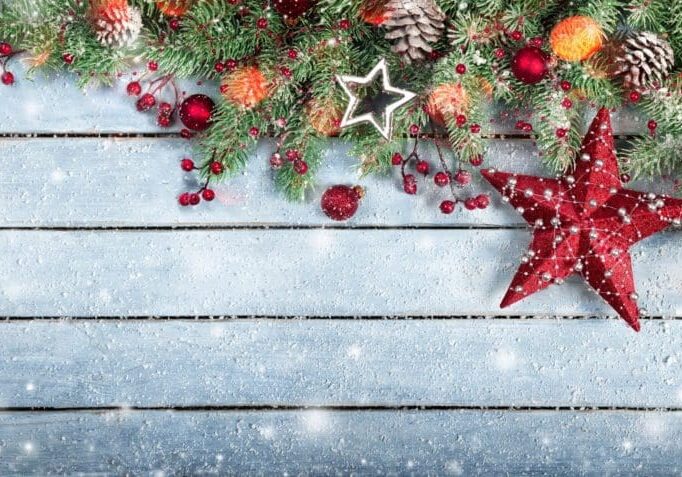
254	336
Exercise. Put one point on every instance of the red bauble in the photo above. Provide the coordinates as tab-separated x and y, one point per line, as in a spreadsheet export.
585	223
293	8
529	65
196	112
340	202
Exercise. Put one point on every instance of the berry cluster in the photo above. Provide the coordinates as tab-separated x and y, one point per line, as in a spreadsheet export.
6	52
193	198
293	156
459	179
152	89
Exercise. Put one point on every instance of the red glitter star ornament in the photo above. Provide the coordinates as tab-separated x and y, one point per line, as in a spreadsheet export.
585	223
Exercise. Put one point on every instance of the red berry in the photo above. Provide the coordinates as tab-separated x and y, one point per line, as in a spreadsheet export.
414	130
441	179
186	133
476	160
276	161
447	207
397	159
134	88
461	120
7	78
536	42
194	198
5	49
68	58
652	125
519	124
625	178
208	195
470	203
292	155
500	53
254	132
475	128
183	199
516	35
527	127
463	177
410	184
482	201
561	132
187	164
219	67
292	54
153	66
635	96
344	24
230	64
301	167
164	120
216	168
146	102
165	108
286	72
565	85
262	23
422	167
461	69
174	24
567	103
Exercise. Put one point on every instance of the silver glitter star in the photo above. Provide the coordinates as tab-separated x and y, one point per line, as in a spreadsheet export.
386	129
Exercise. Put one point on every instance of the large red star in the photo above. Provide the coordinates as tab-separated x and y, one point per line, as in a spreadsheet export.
585	222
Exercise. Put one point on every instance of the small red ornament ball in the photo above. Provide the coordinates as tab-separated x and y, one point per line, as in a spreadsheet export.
7	78
293	8
529	65
5	49
447	207
196	112
340	202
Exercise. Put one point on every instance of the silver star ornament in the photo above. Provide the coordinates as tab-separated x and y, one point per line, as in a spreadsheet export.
385	129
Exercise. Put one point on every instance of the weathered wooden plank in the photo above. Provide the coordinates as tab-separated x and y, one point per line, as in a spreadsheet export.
548	363
135	182
299	272
55	104
320	442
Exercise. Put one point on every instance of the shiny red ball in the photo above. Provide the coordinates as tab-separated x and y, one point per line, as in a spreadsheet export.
441	179
529	65
216	168
422	167
208	195
7	78
187	165
196	112
447	206
134	88
301	167
5	49
340	202
293	8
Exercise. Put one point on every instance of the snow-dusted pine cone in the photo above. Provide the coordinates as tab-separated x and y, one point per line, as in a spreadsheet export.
115	23
413	27
644	58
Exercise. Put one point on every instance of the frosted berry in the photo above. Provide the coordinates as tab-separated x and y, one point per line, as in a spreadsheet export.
476	160
187	165
471	203
216	168
565	85
561	133
410	184
482	201
165	108
194	198
68	58
153	66
567	103
146	102
344	24
447	207
7	78
463	177
292	155
441	179
414	130
635	96
174	24
499	53
475	128
219	67
183	199
262	23
397	159
276	161
254	132
652	125
231	64
301	167
461	120
134	88
164	120
208	195
422	167
186	133
5	49
461	69
292	54
516	35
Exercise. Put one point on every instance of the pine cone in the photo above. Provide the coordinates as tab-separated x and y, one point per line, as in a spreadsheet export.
115	22
416	25
644	58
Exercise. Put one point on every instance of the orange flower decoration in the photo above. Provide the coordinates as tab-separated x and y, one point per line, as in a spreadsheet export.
324	117
245	87
576	38
174	8
447	101
374	12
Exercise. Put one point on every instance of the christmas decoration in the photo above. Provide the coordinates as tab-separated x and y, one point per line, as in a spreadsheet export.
530	65
293	9
644	59
245	87
174	8
340	202
414	26
576	38
196	112
346	82
115	23
585	222
447	101
374	12
324	116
